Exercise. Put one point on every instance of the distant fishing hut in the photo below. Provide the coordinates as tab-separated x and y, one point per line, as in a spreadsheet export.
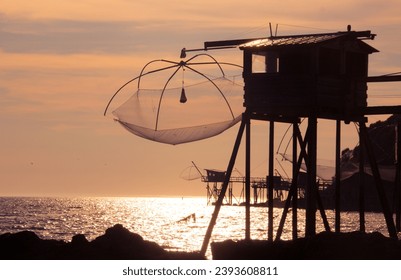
305	76
214	180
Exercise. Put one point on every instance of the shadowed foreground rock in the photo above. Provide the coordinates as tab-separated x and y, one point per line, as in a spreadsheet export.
118	243
323	246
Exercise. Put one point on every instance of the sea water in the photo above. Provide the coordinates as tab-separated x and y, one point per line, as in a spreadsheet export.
174	223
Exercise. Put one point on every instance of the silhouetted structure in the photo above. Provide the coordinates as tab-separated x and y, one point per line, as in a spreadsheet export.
319	75
117	243
305	76
214	180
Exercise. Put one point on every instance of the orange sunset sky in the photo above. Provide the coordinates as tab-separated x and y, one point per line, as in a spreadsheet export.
62	60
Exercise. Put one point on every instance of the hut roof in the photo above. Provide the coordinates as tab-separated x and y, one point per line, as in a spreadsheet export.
311	39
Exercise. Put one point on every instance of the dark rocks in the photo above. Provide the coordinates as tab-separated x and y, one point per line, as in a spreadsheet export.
256	250
323	246
79	240
27	245
353	245
118	243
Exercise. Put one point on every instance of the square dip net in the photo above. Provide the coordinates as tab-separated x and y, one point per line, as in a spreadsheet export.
179	102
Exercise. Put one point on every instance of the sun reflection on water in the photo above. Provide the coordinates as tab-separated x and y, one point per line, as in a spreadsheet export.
174	223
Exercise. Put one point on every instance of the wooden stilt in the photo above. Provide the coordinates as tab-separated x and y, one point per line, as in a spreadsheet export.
293	187
311	189
378	182
322	212
271	181
338	178
248	180
295	182
397	199
225	184
291	194
398	178
361	181
230	194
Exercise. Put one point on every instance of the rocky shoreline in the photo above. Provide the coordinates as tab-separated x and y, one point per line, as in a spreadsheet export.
324	246
118	243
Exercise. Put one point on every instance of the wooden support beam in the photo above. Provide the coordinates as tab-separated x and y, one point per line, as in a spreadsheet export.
275	118
397	185
361	181
292	192
224	187
311	188
322	212
271	182
338	178
378	182
295	182
385	78
382	110
248	180
228	43
230	194
293	187
318	200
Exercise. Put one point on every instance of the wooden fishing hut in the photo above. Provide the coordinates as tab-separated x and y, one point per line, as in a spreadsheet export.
308	76
214	180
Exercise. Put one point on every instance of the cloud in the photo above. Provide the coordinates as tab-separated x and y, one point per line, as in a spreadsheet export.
131	27
57	36
3	91
69	36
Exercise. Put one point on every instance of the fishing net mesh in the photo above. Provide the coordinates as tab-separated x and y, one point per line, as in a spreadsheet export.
211	107
325	169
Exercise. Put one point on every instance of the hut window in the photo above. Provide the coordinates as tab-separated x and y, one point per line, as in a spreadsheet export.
265	63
